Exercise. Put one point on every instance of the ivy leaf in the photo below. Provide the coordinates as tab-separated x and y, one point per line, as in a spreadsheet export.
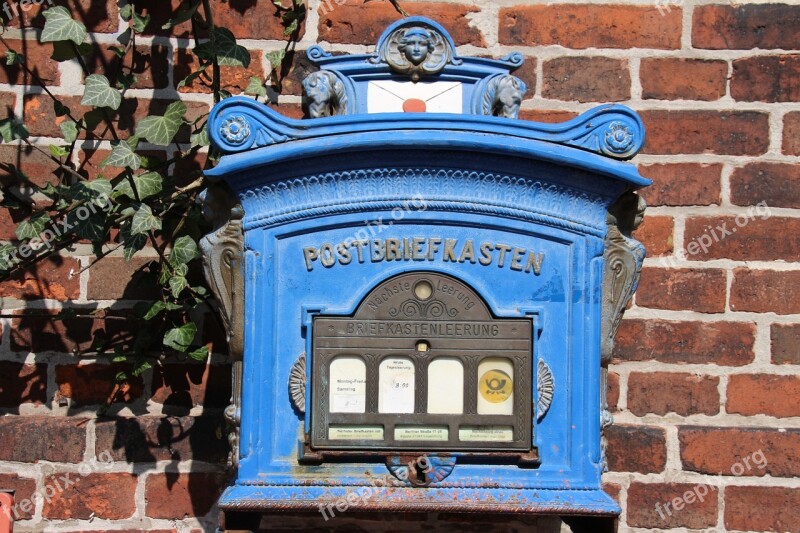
7	256
177	284
182	16
200	138
161	130
117	51
99	93
180	338
33	227
131	243
141	367
122	155
154	310
69	130
11	129
92	227
275	58
125	11
144	220
58	151
64	51
256	87
13	58
184	250
140	22
229	54
199	354
147	185
87	191
193	76
60	26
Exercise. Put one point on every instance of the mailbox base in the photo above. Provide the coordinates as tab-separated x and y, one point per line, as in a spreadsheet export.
325	499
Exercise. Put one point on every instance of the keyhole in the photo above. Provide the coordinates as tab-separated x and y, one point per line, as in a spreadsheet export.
420	475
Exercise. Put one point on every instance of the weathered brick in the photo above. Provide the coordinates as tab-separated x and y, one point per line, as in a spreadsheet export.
761	508
23	488
636	449
699	132
590	26
776	184
766	291
673	78
785	344
742	238
37	331
40	117
179	496
742	27
740	451
586	79
51	278
234	79
354	22
113	278
671	505
722	343
94	384
702	290
98	16
765	394
91	162
147	439
549	116
664	392
28	439
37	58
656	233
36	166
103	496
766	79
22	383
192	384
612	392
678	184
791	133
150	64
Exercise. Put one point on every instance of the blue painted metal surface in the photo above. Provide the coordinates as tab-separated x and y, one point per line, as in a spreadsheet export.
373	177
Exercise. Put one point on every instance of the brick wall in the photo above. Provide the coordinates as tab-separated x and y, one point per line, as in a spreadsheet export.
704	383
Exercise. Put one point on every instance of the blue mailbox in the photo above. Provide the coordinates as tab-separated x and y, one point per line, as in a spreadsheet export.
421	290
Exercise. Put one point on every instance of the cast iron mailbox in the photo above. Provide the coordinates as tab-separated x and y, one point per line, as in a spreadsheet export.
415	272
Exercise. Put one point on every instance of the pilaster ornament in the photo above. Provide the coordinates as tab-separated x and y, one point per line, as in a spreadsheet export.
416	50
326	95
503	96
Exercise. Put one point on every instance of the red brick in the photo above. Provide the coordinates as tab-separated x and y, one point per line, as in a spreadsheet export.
766	79
40	117
37	167
51	278
671	505
722	343
725	27
702	290
586	79
247	20
785	344
356	22
9	219
23	491
761	508
179	496
656	233
636	449
612	393
150	64
663	392
94	384
766	291
791	133
98	17
103	496
735	451
549	116
742	238
113	278
192	384
613	490
590	26
37	58
91	161
22	383
147	439
37	331
234	79
29	439
776	184
765	394
673	78
700	132
679	184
